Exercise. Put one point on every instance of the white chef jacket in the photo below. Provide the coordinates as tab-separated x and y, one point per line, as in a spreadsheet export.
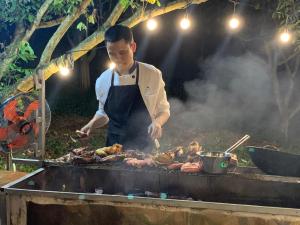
151	86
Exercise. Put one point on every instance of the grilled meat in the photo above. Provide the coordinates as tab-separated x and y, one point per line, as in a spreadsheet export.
192	167
139	163
194	148
111	158
165	158
175	166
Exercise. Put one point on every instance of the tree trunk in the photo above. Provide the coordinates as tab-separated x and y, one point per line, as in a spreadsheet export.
84	70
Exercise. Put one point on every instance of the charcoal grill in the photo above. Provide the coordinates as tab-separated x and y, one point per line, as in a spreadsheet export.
66	195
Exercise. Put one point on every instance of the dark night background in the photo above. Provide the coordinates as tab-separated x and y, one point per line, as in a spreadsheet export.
214	79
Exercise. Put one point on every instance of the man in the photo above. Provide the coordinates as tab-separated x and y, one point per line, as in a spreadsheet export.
132	98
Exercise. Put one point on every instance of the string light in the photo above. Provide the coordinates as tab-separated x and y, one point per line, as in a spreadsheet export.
285	37
234	22
152	24
64	71
185	23
66	65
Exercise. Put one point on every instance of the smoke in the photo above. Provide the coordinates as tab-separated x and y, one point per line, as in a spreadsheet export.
236	95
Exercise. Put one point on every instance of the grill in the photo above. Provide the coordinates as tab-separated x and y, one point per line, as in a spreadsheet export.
114	194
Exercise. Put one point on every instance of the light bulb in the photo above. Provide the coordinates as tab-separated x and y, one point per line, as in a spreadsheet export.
234	23
185	23
64	71
151	24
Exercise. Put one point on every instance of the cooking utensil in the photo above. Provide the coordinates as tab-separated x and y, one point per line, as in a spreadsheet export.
237	144
215	162
274	162
218	162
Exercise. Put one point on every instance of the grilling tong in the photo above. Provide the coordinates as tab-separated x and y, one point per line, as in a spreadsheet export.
237	144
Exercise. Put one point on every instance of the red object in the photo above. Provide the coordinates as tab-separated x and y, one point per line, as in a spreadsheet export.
17	133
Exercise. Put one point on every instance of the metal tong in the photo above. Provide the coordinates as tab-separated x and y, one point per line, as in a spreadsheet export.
237	144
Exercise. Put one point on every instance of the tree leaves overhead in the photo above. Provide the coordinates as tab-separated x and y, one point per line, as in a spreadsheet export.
14	11
26	53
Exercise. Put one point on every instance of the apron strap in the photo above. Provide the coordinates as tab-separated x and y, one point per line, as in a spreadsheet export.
137	73
112	78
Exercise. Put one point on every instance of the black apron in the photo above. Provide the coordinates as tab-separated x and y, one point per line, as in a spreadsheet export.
128	116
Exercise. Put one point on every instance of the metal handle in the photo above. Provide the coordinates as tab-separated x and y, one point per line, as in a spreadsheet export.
237	144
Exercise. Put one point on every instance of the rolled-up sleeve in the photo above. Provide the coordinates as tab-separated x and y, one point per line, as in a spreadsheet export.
162	105
101	97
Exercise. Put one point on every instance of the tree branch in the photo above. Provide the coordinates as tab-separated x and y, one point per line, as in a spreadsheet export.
297	63
291	87
22	35
12	50
296	53
98	36
141	16
273	62
294	112
51	23
61	30
43	9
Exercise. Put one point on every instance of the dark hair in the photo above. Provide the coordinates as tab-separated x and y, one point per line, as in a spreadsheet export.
117	33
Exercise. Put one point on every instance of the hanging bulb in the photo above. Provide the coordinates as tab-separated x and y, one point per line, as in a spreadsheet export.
234	23
185	23
285	37
64	71
151	24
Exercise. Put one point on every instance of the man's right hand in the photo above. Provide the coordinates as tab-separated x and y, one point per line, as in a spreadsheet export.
96	122
84	131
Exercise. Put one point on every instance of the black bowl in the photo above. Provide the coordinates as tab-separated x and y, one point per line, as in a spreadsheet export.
275	162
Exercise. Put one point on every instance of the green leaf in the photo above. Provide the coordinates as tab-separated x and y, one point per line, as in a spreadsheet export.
30	18
91	19
158	3
81	26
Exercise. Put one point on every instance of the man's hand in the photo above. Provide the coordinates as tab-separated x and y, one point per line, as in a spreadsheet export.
96	122
155	130
85	131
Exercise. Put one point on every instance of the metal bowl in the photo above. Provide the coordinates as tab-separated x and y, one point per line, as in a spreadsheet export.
215	162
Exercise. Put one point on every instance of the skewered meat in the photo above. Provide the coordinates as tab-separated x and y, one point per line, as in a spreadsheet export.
111	158
79	151
180	151
175	166
194	147
82	160
192	167
135	154
139	163
165	158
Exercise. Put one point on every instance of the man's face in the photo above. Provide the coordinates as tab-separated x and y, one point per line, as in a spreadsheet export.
121	53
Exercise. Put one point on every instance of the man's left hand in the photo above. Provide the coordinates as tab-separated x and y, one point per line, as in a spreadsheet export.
155	130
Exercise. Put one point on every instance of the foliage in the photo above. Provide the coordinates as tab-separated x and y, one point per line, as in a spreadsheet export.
134	4
81	26
17	69
288	14
24	12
